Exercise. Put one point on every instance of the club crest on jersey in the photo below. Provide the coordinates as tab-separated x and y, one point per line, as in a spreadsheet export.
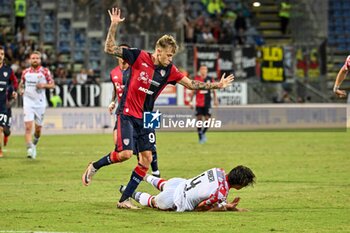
143	77
5	74
162	73
126	141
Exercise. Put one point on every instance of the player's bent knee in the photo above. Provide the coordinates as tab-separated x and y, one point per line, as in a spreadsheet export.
127	154
7	131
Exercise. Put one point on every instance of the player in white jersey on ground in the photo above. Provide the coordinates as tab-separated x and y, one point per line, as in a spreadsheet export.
340	78
34	81
205	192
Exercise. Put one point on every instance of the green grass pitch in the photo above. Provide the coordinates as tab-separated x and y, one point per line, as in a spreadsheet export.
303	184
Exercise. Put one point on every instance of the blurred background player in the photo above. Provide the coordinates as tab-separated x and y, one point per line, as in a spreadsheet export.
34	81
340	78
150	73
20	11
203	102
8	81
11	98
205	192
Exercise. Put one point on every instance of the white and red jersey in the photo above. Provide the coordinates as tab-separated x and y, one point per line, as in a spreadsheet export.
210	186
34	97
347	64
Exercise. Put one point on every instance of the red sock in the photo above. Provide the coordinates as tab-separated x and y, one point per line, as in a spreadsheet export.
6	139
141	170
115	157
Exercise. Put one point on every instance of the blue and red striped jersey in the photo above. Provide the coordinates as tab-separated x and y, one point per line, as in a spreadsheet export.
146	82
203	97
7	78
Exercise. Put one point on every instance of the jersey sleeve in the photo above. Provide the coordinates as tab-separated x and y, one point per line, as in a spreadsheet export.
48	76
130	55
347	64
13	80
220	195
23	79
175	75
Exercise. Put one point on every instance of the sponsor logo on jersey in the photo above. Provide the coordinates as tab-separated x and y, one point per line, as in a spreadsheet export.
148	92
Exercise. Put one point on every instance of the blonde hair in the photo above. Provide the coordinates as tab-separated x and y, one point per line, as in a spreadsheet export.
36	52
167	41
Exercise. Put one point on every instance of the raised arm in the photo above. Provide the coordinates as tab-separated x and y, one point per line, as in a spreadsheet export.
110	44
197	85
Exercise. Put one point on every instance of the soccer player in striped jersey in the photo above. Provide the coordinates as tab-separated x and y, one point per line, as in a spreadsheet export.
34	81
7	80
205	192
150	73
203	102
119	77
340	78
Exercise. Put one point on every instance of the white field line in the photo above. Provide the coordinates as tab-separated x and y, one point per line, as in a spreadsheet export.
4	231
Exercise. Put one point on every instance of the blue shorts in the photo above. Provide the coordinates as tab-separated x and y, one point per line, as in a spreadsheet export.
3	119
133	136
9	118
203	111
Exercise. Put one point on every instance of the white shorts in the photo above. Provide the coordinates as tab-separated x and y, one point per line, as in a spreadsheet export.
37	114
165	199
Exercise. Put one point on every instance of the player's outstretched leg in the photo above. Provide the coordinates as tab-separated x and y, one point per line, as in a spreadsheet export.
137	176
88	174
110	158
144	199
156	182
154	164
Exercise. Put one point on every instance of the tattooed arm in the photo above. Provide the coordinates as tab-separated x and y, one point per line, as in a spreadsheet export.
197	85
110	44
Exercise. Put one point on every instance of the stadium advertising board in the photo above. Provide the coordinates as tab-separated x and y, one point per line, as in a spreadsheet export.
207	56
87	95
244	62
288	61
168	96
235	94
272	69
300	117
308	63
225	60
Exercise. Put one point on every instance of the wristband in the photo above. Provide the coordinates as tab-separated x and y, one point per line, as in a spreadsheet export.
335	89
